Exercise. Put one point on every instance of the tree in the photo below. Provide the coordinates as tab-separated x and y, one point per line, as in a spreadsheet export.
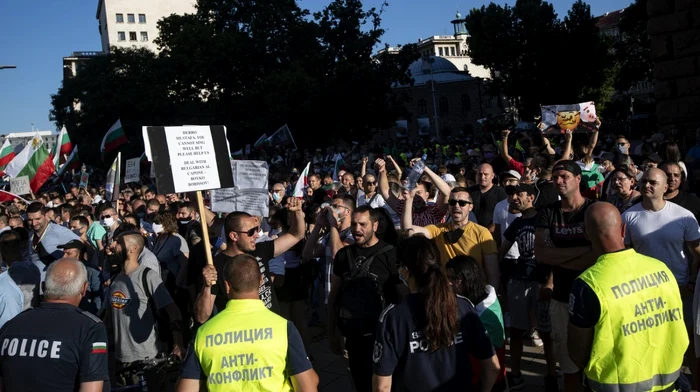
540	59
632	50
251	66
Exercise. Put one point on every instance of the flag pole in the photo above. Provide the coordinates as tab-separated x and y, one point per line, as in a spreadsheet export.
291	136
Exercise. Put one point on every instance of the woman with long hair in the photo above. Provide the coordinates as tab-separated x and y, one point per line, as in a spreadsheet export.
468	280
624	186
424	343
669	151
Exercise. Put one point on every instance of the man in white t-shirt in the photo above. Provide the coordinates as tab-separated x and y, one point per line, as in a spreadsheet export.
661	229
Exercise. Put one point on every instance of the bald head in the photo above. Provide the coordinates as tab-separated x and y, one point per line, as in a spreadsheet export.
66	281
484	176
133	240
653	184
604	228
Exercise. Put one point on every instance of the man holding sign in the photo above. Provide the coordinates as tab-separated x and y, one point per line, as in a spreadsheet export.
242	231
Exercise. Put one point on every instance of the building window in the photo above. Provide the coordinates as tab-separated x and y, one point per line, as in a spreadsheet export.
120	18
466	104
422	107
130	18
452	51
444	106
142	18
121	36
144	36
440	51
132	36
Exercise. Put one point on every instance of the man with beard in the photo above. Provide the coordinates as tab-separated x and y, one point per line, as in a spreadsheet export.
423	213
45	236
242	232
674	194
382	267
460	236
136	295
560	241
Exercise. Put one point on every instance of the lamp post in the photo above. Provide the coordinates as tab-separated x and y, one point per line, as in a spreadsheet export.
428	66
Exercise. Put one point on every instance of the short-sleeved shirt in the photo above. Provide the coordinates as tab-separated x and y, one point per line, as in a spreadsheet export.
297	360
133	315
485	202
95	233
11	298
263	253
662	234
522	232
503	218
401	351
54	347
430	215
476	241
688	201
566	230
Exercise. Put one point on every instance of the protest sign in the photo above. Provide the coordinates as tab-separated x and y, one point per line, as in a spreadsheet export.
132	172
189	158
20	185
579	117
250	174
252	201
83	180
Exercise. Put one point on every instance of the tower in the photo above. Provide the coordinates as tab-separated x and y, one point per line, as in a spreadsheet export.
459	26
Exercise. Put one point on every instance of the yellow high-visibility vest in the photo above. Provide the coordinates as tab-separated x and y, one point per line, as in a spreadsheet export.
244	348
640	337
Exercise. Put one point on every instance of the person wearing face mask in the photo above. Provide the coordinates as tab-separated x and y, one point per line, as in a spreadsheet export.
335	219
622	145
171	250
424	342
109	220
79	225
277	194
187	224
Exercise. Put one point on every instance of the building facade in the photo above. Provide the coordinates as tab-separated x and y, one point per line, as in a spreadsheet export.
20	139
453	48
127	23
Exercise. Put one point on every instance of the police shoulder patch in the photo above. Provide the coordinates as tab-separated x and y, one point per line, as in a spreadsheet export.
90	316
377	353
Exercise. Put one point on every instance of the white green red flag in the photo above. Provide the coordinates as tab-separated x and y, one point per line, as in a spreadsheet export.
339	163
62	148
261	141
72	163
7	153
303	182
114	138
34	162
113	179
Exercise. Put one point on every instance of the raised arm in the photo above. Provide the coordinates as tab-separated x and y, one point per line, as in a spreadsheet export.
396	166
384	189
363	170
312	248
442	186
407	216
504	148
296	233
566	152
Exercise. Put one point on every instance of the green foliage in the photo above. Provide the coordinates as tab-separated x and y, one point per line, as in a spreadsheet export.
249	65
632	51
540	59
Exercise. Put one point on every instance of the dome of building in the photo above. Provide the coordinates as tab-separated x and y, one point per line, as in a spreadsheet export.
439	64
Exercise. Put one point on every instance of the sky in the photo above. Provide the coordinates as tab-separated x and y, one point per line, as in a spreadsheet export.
35	35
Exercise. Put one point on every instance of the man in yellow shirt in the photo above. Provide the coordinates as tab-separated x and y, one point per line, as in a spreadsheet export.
459	236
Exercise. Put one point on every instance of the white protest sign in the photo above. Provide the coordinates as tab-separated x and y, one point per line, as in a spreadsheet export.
252	201
192	157
250	174
132	173
20	185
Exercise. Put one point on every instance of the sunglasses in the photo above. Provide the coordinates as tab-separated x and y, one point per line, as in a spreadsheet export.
250	232
454	202
105	216
374	183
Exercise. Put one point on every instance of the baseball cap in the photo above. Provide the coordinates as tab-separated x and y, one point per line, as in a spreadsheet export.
73	244
509	173
654	157
512	189
607	156
568	165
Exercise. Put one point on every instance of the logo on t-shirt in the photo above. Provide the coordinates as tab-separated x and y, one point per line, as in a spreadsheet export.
377	353
119	300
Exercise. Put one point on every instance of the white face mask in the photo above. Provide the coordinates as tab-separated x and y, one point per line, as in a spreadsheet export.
157	229
108	222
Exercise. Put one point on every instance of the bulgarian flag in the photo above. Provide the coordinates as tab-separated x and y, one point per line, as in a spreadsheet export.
72	163
114	138
63	147
339	162
303	182
34	162
261	141
7	153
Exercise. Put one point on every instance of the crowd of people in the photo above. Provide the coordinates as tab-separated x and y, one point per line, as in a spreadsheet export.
420	261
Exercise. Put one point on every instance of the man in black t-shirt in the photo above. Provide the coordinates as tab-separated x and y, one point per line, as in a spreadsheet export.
383	268
242	231
674	194
560	241
485	195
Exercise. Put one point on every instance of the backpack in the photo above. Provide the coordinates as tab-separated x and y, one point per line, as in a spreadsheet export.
162	323
360	299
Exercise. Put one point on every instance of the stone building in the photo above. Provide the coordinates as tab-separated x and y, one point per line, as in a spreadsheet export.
674	27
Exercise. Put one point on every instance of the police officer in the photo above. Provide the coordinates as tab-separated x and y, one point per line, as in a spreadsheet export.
247	347
69	355
626	327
